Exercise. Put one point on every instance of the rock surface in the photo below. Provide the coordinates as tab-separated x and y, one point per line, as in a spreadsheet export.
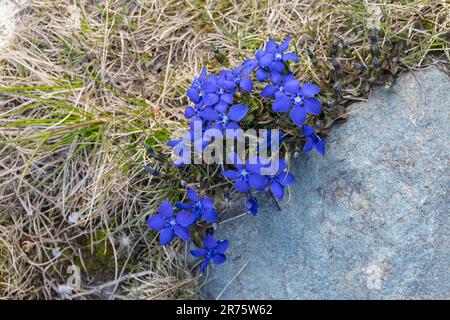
370	220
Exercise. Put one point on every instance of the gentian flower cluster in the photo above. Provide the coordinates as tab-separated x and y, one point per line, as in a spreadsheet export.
199	207
218	103
170	224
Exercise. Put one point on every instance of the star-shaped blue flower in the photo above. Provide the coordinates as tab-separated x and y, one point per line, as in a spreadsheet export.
213	250
272	60
200	207
313	140
168	225
275	88
200	112
247	175
241	78
194	91
218	91
300	98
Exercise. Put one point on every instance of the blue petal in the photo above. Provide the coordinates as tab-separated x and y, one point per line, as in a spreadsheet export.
271	46
211	99
192	194
292	86
259	54
282	103
275	77
166	236
308	131
268	91
222	246
189	112
198	253
290	56
309	90
312	105
165	209
193	94
237	112
231	174
227	98
277	66
308	145
241	186
320	147
261	75
184	218
207	203
219	258
182	232
156	222
183	206
210	216
202	75
257	181
204	265
285	44
246	84
227	84
209	86
298	115
288	77
209	242
209	114
248	66
277	190
266	60
221	107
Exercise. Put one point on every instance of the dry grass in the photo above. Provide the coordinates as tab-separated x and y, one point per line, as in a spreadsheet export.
85	83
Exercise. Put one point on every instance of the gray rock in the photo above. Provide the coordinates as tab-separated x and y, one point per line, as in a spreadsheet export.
370	220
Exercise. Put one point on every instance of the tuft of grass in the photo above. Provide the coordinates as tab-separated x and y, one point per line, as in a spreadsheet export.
83	87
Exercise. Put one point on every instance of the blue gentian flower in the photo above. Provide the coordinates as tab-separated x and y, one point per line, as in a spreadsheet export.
281	179
275	88
313	140
273	59
241	78
230	120
247	175
218	91
213	250
199	206
200	112
301	99
252	205
194	91
169	225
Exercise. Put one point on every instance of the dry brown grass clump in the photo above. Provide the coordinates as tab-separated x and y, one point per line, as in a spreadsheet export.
83	84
